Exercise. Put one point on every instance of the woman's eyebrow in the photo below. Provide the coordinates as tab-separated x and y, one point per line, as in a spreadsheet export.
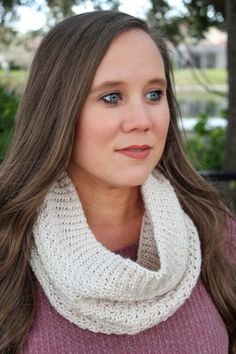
112	84
158	81
106	85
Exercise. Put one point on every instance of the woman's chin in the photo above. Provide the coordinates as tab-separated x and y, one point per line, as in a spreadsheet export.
133	179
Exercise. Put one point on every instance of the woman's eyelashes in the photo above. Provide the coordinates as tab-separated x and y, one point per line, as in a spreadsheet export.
155	95
113	98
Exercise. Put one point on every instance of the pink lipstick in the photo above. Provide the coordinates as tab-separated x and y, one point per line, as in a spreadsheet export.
138	152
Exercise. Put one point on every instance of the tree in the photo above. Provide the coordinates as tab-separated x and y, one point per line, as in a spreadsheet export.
198	17
230	152
8	9
58	8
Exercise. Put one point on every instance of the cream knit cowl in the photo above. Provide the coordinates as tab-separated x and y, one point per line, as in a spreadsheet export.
99	290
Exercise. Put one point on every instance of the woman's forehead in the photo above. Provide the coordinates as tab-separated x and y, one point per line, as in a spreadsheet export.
131	54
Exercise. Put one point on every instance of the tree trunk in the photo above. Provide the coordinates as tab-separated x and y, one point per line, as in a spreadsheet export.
230	151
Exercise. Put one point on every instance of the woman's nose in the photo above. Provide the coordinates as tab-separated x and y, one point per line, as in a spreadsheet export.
137	117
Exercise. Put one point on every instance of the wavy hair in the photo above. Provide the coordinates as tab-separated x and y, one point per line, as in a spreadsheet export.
60	79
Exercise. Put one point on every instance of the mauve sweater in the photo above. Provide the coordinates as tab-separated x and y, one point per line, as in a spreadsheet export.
195	328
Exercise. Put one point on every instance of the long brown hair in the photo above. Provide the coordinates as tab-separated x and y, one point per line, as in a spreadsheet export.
60	79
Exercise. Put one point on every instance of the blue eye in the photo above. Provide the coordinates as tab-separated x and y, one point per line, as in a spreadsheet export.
154	95
111	98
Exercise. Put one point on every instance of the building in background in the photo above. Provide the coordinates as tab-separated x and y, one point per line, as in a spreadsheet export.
207	53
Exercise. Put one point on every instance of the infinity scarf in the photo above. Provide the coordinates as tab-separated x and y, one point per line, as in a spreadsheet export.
101	291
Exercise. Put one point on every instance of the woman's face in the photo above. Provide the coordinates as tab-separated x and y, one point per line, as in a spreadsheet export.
123	125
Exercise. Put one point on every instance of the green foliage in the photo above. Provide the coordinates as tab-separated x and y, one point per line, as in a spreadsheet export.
8	105
202	14
191	20
58	8
206	145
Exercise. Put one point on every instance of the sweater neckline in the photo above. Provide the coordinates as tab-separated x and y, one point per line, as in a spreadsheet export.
130	251
101	291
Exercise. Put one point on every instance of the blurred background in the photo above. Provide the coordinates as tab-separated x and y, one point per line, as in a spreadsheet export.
201	38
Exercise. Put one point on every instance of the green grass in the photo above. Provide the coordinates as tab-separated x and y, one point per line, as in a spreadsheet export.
210	76
200	96
15	73
14	79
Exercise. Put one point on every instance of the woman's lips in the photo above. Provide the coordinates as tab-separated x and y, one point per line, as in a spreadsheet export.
137	152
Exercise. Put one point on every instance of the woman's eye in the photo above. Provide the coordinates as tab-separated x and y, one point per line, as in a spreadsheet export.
111	98
154	95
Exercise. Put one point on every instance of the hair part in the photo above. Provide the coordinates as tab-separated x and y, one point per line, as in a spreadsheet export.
60	79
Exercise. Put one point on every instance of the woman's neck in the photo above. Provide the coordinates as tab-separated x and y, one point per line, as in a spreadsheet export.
113	214
109	206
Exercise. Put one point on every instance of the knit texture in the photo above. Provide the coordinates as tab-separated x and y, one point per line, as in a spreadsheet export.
101	291
195	328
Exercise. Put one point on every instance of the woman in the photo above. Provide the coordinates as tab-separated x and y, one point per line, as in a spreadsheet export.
99	248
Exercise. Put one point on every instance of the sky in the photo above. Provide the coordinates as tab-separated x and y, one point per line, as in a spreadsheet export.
33	20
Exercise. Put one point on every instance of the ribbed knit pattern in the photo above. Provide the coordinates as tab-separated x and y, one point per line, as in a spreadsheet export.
101	291
195	328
